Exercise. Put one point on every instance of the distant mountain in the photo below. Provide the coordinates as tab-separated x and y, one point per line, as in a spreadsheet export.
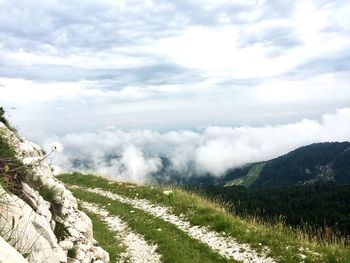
309	164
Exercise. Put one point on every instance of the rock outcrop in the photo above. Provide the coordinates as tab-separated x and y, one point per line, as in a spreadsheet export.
10	254
31	226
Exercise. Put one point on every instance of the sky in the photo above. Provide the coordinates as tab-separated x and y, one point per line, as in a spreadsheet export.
116	68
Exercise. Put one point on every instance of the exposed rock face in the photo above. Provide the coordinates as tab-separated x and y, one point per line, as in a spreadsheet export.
29	232
35	222
9	254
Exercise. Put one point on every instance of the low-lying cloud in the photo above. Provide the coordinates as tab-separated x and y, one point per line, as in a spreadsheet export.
136	155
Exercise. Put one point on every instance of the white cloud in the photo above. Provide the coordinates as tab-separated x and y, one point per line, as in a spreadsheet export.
175	65
136	154
137	167
19	91
323	87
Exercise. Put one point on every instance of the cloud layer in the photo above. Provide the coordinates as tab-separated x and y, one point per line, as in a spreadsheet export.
132	64
134	156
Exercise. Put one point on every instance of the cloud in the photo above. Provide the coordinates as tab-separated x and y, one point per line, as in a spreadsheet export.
84	66
137	167
136	155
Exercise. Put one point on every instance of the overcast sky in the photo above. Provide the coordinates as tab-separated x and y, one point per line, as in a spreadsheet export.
89	65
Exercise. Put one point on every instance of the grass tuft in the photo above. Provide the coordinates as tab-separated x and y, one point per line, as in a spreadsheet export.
60	231
72	253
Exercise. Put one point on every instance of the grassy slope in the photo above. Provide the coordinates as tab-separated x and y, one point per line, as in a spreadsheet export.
285	244
250	177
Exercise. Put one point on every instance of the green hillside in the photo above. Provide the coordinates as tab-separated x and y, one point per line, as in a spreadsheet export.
248	179
182	226
313	163
318	162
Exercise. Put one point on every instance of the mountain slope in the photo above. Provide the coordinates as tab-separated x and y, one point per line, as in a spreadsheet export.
185	227
318	162
315	162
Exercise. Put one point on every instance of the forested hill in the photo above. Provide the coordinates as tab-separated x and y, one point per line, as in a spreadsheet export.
308	164
319	162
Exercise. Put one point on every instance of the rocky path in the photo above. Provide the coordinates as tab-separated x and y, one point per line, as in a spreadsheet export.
137	250
228	247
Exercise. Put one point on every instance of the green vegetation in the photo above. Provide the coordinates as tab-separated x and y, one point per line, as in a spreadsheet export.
5	121
318	206
49	194
284	242
317	162
12	171
60	231
72	253
248	179
105	237
173	244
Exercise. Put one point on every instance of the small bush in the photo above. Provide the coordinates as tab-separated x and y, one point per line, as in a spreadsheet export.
5	121
48	193
72	253
60	231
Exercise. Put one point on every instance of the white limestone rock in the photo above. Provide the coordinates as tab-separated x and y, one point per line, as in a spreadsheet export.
77	223
30	232
42	207
9	254
66	244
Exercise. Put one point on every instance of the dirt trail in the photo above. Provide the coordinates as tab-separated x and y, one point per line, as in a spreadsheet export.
137	250
228	247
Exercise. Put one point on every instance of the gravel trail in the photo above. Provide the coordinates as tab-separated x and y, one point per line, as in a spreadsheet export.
228	247
137	250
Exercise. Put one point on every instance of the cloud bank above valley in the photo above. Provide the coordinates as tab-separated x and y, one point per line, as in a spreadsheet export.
206	85
171	65
136	155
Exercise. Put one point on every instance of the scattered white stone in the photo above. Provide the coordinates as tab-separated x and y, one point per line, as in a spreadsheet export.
167	192
137	249
228	247
316	254
66	244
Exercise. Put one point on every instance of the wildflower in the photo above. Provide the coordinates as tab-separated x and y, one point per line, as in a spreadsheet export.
56	147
